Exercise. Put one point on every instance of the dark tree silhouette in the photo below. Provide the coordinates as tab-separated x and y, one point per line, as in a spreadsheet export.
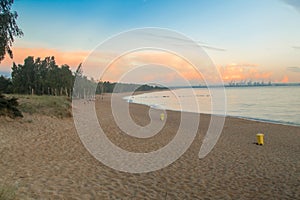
8	30
5	85
37	76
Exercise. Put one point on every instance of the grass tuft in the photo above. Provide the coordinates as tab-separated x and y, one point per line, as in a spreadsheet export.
7	193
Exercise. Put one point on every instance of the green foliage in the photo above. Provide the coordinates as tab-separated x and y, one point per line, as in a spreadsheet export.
8	28
107	87
42	77
83	87
5	85
8	107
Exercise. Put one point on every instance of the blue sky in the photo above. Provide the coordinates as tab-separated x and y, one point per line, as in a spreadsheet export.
78	24
264	34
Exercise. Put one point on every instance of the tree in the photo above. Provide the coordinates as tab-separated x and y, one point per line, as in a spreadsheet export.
67	80
84	88
8	28
40	77
5	85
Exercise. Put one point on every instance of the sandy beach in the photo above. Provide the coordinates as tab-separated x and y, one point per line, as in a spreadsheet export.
43	157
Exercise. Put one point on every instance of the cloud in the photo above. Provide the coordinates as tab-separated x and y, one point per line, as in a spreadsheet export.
212	48
243	72
230	72
130	61
169	37
296	47
183	42
182	69
242	65
293	3
62	57
293	69
285	79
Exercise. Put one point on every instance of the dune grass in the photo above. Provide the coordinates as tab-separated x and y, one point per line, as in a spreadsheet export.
58	106
7	192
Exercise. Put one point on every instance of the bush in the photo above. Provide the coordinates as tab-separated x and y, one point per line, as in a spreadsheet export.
8	107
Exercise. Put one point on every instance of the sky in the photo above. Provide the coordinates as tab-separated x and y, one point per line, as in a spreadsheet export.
246	40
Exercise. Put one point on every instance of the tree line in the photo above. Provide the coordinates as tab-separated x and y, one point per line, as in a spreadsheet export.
44	77
107	87
37	76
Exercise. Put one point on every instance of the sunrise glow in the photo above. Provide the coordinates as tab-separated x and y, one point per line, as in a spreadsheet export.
244	45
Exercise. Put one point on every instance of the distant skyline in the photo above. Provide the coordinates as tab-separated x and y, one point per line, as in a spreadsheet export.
257	40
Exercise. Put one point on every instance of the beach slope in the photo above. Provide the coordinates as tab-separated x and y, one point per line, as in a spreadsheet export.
43	158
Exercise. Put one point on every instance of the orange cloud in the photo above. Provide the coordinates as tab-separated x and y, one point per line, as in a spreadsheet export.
285	79
240	72
62	57
178	67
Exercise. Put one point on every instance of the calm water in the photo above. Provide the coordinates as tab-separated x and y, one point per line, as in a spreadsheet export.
273	104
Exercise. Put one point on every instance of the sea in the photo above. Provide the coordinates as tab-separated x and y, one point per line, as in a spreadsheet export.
275	104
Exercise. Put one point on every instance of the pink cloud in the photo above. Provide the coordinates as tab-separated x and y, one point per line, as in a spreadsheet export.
240	72
285	79
179	68
62	57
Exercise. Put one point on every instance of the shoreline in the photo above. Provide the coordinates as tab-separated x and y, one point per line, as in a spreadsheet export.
232	116
44	158
281	122
267	121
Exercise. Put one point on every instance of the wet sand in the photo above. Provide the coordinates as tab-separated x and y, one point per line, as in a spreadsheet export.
44	158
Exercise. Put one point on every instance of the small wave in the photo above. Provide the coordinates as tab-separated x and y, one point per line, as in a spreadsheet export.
157	106
239	103
267	120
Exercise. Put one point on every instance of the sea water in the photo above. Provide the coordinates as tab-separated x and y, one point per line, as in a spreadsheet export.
277	104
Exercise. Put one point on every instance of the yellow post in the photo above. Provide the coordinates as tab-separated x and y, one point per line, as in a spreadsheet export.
260	138
162	116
